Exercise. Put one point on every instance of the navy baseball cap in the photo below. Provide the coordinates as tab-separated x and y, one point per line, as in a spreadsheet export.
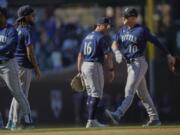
24	11
3	11
130	12
103	20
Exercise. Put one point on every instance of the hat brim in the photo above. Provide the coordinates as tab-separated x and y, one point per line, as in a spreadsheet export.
19	18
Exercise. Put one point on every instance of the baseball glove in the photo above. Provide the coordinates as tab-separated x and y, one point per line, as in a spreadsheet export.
77	83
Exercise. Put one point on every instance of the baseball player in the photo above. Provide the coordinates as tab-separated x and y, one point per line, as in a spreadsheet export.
8	66
25	58
130	44
94	52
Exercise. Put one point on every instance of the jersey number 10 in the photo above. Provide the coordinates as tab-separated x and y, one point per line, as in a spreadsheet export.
87	48
133	49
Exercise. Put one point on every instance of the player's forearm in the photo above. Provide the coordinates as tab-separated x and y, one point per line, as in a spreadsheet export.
79	62
32	58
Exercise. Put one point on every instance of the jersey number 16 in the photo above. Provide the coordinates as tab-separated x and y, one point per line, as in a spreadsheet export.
87	48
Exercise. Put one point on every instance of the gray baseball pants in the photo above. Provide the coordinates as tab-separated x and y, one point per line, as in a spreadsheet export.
94	78
9	73
25	76
136	83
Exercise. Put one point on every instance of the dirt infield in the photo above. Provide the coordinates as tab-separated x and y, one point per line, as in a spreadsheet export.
129	130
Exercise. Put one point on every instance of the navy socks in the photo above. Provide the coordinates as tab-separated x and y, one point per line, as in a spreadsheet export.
92	103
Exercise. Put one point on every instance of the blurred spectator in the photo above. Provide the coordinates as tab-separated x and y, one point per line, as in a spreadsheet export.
3	3
58	44
69	51
56	58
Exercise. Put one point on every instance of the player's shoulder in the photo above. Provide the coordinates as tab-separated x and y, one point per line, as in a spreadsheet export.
9	26
11	29
101	37
121	29
88	36
142	27
97	34
94	35
23	30
139	27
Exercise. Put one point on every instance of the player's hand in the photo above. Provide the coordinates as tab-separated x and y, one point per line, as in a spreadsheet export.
171	62
118	56
111	76
37	73
117	53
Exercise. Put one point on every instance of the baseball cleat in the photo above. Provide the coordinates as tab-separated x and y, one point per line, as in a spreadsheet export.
94	124
8	125
26	123
13	126
25	126
114	117
152	123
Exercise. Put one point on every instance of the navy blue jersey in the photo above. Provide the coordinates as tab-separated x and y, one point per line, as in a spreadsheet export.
94	46
24	40
8	42
132	42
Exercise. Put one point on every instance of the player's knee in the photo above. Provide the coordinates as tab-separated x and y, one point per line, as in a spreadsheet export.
129	93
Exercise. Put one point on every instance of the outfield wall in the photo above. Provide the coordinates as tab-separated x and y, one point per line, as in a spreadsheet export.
53	102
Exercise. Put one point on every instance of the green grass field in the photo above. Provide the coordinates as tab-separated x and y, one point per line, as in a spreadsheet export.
125	130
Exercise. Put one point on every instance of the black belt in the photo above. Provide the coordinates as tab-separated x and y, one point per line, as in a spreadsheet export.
129	61
94	61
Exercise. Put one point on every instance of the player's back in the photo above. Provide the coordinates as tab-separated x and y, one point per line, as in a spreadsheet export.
24	40
91	47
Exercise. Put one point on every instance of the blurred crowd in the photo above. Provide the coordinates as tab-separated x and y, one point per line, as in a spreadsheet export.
57	46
